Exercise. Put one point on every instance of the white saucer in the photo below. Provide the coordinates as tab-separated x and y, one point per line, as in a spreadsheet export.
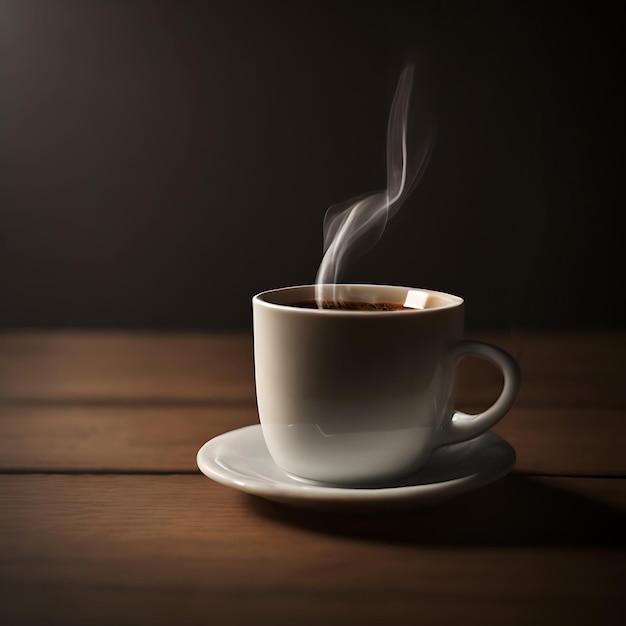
240	459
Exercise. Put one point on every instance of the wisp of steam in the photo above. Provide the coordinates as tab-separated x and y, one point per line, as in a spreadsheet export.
353	227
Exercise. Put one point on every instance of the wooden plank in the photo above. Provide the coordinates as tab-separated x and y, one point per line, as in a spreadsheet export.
557	370
575	442
74	438
114	367
184	550
161	439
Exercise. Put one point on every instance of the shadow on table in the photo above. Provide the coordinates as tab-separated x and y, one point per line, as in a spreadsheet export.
517	510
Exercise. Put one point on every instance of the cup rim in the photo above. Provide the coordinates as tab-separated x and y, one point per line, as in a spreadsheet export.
452	301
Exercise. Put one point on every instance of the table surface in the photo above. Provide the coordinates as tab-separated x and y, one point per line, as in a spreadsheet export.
105	518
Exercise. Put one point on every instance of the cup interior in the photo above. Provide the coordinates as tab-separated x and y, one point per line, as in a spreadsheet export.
409	297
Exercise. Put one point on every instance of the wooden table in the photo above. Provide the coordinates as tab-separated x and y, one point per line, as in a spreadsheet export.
105	519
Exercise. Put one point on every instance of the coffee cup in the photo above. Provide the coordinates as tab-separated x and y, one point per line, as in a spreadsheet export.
361	391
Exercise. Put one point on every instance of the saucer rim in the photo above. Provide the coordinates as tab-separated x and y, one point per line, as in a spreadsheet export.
312	491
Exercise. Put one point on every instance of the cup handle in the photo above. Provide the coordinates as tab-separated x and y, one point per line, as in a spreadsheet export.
463	426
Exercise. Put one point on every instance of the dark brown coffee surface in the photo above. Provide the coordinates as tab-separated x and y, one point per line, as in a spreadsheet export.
352	305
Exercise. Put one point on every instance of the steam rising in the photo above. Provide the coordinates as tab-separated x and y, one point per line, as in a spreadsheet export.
355	226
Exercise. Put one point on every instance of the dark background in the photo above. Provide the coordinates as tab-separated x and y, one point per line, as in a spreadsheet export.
163	161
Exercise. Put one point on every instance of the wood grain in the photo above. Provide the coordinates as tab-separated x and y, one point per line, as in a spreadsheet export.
101	367
573	441
182	549
564	370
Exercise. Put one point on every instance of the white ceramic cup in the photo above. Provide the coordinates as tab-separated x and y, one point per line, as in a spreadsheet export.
362	397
